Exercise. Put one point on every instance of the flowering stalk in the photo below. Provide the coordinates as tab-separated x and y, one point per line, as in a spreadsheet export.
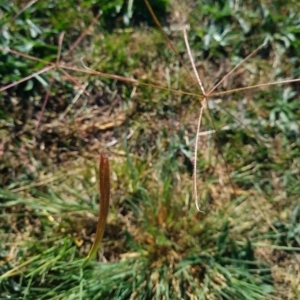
104	188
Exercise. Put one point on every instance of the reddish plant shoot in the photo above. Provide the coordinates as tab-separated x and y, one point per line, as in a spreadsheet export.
104	190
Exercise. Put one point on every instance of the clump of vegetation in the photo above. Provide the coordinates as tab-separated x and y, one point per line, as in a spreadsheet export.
112	81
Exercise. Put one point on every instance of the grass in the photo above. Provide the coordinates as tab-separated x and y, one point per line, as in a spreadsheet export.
157	245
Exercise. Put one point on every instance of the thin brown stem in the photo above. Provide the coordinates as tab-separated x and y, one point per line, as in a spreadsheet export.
251	87
72	79
22	10
43	107
195	161
26	78
60	40
24	55
235	68
187	45
167	39
83	34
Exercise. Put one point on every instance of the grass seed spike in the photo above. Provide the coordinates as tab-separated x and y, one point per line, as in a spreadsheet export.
104	190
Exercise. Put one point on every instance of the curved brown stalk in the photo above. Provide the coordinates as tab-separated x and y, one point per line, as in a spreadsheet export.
104	189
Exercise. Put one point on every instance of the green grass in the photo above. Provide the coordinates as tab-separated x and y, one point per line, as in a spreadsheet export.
245	245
